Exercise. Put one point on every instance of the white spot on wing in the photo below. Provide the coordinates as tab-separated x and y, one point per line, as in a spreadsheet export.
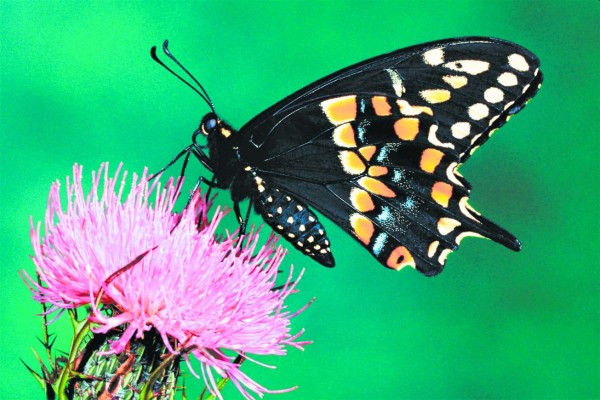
461	130
518	62
397	83
508	79
463	235
446	225
444	255
478	111
432	248
471	67
434	139
434	57
451	174
493	95
466	209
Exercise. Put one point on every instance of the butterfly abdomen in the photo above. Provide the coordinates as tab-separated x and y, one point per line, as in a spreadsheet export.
295	222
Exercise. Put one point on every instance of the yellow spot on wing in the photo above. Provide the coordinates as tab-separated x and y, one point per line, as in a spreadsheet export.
435	96
351	162
375	186
340	109
430	159
343	136
363	228
456	81
441	192
399	258
409	110
446	225
407	128
361	200
381	106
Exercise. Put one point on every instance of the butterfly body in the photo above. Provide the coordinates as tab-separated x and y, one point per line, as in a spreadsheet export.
375	148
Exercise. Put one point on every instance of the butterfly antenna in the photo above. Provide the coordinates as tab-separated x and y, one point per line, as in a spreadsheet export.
172	57
162	64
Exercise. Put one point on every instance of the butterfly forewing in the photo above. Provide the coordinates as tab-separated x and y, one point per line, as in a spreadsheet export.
375	147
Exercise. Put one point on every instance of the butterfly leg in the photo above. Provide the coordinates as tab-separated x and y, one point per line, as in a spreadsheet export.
183	152
238	214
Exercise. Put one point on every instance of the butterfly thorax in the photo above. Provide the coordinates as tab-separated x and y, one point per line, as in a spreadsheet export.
222	141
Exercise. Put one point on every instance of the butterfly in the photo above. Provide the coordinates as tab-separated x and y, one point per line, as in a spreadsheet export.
375	148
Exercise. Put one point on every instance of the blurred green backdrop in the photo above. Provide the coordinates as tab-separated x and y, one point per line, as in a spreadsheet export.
78	85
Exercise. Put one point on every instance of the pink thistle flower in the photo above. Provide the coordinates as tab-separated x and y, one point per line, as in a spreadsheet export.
210	296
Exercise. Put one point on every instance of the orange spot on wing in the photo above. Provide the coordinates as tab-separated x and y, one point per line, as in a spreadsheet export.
340	109
361	200
351	162
375	186
407	128
430	159
399	258
367	151
363	228
377	170
441	193
381	106
343	136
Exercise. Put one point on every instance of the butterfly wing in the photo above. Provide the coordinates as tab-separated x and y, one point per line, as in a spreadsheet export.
375	147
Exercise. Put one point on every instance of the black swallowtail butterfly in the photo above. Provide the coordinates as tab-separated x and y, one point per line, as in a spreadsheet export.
375	147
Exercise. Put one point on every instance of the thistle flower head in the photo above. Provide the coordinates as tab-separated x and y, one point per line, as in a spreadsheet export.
214	297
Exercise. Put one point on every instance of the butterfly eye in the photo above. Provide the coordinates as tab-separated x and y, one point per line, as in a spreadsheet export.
209	124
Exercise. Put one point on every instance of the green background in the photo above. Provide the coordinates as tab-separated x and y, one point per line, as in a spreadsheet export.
78	85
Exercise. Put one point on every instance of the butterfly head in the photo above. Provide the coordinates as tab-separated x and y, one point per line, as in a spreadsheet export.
212	126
